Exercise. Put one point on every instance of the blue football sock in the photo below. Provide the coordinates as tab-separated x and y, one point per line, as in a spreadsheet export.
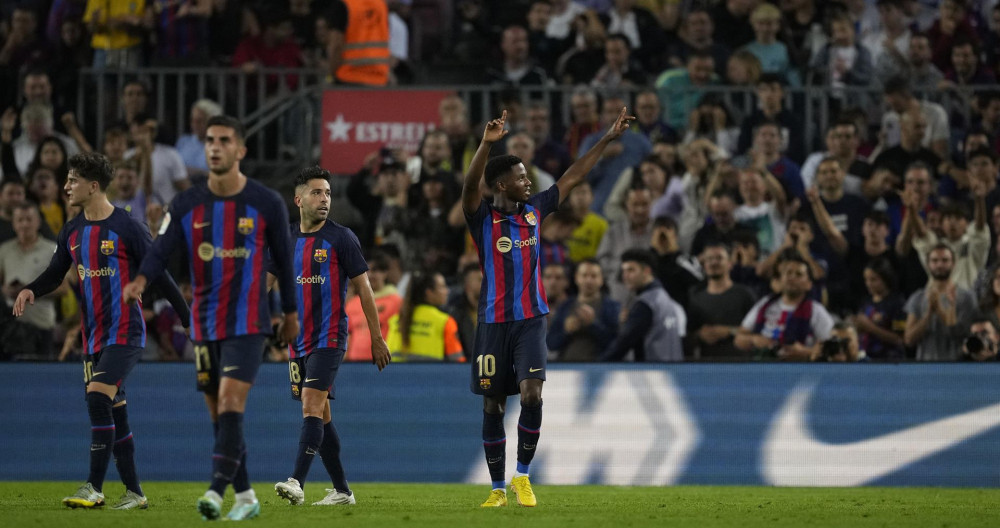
102	437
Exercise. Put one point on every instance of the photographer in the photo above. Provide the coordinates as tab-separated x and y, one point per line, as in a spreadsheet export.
842	347
981	345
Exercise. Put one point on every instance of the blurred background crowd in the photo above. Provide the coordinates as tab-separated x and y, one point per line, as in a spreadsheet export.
806	180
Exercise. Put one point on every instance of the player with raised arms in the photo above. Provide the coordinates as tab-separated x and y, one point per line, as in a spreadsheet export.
510	352
106	245
229	227
326	256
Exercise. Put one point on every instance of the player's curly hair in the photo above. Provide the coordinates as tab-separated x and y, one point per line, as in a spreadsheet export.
498	167
311	173
92	166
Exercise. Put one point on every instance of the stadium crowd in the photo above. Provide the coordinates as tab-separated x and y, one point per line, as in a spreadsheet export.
877	241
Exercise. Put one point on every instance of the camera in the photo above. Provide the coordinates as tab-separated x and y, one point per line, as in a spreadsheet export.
833	347
978	344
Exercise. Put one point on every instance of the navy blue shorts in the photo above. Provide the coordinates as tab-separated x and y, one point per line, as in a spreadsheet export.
111	365
236	357
506	354
318	370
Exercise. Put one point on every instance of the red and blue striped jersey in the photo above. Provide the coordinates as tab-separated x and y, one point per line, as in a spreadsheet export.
508	247
106	254
324	261
228	241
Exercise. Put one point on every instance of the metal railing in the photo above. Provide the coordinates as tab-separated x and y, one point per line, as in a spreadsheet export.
281	107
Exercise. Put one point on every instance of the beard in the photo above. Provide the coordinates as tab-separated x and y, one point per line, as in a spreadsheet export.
941	275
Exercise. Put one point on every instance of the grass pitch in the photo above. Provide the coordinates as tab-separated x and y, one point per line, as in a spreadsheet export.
445	505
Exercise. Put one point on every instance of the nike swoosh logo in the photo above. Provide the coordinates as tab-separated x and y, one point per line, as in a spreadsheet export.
535	370
99	373
790	446
200	225
495	221
74	248
311	379
229	369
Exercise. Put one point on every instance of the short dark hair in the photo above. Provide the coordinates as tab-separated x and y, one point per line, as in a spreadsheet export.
771	78
620	37
228	122
982	152
793	255
311	173
378	261
767	122
665	221
955	210
716	243
643	257
941	246
92	166
499	166
879	217
897	85
883	268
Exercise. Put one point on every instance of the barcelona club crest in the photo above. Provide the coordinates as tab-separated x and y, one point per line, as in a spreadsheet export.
245	225
320	255
530	218
485	383
107	247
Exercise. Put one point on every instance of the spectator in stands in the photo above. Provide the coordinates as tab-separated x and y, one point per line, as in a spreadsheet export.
586	323
129	195
969	242
464	306
70	54
24	45
763	208
36	87
134	98
586	119
454	116
953	23
715	311
12	193
433	242
387	300
580	63
545	48
434	160
699	158
646	38
889	46
115	143
648	121
586	238
841	144
555	282
732	22
518	68
679	273
881	319
168	174
116	28
421	331
620	70
766	154
381	182
36	125
981	327
743	69
624	153
771	107
656	325
181	32
631	233
191	146
787	325
900	99
273	48
712	120
564	12
923	75
989	302
22	260
722	209
550	155
679	89
938	315
695	34
842	62
803	29
169	331
44	190
555	232
875	230
847	347
912	129
746	260
966	68
773	54
50	154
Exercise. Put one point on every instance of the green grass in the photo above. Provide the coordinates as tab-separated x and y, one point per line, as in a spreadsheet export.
443	505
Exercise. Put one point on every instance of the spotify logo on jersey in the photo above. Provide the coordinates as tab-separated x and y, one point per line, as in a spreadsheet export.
504	244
